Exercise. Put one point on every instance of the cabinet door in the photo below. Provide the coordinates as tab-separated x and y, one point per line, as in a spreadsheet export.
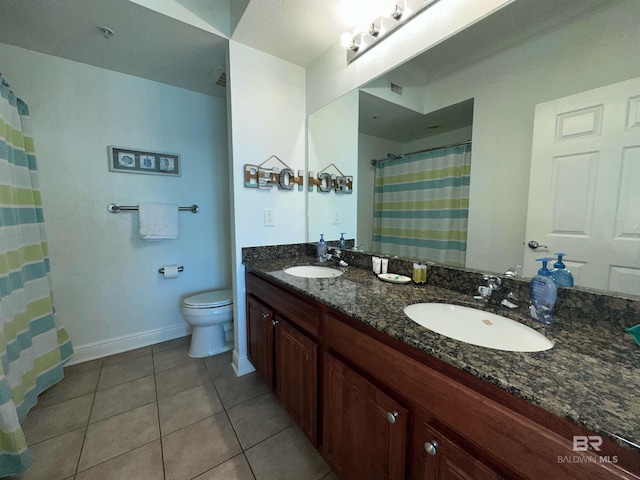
260	338
364	430
442	459
297	376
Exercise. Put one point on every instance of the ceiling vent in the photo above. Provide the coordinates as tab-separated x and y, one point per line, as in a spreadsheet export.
219	77
395	88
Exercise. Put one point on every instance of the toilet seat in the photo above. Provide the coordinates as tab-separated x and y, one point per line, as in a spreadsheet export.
213	299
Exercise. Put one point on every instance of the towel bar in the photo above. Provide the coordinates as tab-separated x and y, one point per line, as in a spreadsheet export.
113	208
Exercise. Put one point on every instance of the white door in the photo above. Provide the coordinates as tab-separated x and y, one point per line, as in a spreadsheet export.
584	191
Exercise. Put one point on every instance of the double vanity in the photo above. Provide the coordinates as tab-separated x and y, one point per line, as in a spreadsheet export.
382	396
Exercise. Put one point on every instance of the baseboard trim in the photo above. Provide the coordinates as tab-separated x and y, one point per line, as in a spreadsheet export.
241	365
92	351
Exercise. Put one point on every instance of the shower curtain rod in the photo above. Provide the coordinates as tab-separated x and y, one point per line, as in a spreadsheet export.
374	162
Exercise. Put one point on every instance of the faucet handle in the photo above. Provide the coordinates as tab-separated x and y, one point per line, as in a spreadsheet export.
493	282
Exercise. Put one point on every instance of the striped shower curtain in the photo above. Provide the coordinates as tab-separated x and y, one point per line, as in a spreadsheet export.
421	205
32	345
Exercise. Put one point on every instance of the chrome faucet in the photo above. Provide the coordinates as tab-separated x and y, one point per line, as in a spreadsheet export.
336	255
486	291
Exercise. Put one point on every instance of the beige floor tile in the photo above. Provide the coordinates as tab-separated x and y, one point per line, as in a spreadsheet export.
83	367
236	468
175	343
117	435
56	458
302	460
71	386
123	372
121	398
179	379
173	357
126	356
220	365
190	406
142	463
199	447
259	418
234	390
48	422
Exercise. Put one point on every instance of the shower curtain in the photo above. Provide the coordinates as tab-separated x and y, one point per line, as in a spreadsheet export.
32	345
421	205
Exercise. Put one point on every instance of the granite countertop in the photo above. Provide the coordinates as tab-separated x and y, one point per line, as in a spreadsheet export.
589	377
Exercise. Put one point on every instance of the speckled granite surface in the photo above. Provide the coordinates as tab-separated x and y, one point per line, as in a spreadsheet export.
589	377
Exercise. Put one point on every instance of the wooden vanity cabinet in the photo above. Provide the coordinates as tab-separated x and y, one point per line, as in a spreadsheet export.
260	325
296	377
365	430
282	346
437	456
482	431
393	412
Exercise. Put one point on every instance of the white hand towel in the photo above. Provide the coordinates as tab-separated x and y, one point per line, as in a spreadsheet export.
158	221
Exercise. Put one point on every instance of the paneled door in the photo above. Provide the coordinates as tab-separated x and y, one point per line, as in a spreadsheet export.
584	194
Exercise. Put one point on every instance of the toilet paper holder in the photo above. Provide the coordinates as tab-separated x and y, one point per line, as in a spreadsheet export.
161	270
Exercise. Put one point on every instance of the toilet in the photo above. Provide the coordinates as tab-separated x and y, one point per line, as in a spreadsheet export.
211	316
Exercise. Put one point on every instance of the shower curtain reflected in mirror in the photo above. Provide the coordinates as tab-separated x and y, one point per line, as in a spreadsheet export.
421	205
32	344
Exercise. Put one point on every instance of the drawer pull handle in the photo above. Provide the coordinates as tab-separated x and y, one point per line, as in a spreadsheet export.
392	416
274	322
431	447
265	315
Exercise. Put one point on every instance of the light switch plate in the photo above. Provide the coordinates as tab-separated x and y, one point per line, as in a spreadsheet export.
336	217
269	217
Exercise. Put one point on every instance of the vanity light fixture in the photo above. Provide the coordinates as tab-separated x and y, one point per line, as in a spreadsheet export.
381	27
397	12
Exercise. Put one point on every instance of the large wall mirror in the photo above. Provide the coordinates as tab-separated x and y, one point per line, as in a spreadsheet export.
484	85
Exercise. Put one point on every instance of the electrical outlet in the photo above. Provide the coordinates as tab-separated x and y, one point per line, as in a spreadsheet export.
269	220
336	217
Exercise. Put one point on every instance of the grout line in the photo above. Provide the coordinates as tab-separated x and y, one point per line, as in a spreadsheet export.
86	427
155	384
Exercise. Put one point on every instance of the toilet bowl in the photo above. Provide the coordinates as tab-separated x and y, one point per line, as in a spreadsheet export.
211	316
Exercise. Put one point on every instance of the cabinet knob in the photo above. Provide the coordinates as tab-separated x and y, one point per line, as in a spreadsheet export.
265	315
431	447
274	322
392	416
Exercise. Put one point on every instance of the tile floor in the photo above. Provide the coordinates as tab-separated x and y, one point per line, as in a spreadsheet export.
155	413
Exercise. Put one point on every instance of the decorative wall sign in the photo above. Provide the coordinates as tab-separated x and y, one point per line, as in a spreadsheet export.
326	182
258	176
129	160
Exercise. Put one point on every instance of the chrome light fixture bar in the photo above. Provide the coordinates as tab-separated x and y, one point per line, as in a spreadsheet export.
382	27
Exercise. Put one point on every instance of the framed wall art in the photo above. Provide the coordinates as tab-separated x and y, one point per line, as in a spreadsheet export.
131	160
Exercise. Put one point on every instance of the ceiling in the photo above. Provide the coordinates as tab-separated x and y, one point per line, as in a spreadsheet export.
185	53
190	52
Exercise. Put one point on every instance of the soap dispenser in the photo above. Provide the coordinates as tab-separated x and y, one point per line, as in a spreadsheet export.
321	248
341	242
543	292
560	274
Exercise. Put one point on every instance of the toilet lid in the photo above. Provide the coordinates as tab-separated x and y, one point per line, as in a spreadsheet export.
215	298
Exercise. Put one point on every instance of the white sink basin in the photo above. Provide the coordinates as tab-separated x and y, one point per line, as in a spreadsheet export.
313	271
477	327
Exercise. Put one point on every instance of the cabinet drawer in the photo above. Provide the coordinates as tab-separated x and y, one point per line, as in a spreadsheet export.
298	311
507	437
